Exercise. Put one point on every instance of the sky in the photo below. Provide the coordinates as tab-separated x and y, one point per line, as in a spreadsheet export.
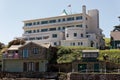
13	12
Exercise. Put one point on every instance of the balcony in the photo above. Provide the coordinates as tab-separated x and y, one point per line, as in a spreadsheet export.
10	56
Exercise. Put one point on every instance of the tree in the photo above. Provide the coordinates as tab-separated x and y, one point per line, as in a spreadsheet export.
2	45
16	42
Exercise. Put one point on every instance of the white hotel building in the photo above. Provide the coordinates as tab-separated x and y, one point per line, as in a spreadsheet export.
80	29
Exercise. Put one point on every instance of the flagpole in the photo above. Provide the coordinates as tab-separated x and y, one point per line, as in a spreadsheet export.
70	8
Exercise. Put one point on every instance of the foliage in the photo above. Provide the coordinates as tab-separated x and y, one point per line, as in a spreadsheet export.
2	45
113	55
16	42
70	53
107	42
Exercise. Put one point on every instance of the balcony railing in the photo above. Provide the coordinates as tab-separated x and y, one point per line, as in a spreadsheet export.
10	56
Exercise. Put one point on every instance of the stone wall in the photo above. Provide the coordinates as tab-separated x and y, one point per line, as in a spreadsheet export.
93	76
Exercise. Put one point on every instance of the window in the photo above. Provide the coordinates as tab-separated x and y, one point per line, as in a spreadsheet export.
63	19
38	23
86	26
31	66
59	20
67	35
81	35
59	28
78	17
25	53
55	43
37	30
44	22
87	36
54	35
45	37
38	38
70	18
34	31
28	24
52	29
78	43
44	30
75	34
52	21
34	23
32	38
35	50
73	44
81	43
79	25
63	28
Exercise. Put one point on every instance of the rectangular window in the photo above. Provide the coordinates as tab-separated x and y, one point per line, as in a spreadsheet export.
73	44
34	31
45	37
44	30
38	38
79	25
55	43
59	20
25	53
34	23
78	17
81	35
52	21
59	28
44	22
38	23
37	30
52	29
54	35
70	19
63	28
35	50
63	19
75	34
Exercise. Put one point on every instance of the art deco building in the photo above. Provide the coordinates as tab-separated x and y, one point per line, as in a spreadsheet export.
80	29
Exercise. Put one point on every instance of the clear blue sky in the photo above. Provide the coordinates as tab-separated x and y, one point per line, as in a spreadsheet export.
13	12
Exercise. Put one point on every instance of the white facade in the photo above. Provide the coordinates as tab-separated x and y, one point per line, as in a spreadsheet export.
66	30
